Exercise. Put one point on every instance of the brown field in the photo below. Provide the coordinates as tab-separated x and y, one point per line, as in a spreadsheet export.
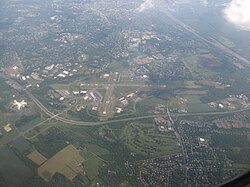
191	84
36	157
67	162
193	92
211	83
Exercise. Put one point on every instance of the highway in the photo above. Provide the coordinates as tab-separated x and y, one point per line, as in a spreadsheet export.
51	114
81	123
46	120
23	132
210	41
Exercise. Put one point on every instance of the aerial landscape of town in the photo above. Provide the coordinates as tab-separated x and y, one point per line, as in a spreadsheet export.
122	93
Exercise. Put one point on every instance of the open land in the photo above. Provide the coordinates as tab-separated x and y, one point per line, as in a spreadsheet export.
67	162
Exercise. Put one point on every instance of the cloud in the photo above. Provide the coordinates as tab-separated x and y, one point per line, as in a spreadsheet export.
204	2
237	12
147	4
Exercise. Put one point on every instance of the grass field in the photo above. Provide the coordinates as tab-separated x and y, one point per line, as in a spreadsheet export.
102	91
32	133
7	118
145	106
144	139
70	86
97	149
194	104
22	145
192	98
199	107
120	91
196	69
118	66
154	101
50	141
28	121
86	154
92	166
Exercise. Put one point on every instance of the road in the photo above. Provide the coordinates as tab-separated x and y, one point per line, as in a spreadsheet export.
51	114
23	132
46	120
178	136
208	40
81	123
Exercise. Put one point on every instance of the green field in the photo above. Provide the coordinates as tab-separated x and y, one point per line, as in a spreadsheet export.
199	107
143	107
194	104
120	91
102	91
154	101
145	140
32	133
117	66
196	69
92	166
22	145
86	154
97	149
7	118
73	85
69	86
51	141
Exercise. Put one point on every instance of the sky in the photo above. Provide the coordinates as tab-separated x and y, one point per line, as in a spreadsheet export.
237	12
